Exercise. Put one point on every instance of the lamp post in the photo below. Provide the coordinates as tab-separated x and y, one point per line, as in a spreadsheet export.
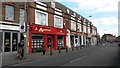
26	31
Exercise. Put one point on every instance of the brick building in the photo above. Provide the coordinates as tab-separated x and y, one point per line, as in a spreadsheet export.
108	38
50	23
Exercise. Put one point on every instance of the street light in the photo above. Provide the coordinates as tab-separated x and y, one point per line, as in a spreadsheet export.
25	33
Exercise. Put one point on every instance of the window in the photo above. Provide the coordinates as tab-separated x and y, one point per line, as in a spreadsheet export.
93	31
84	28
73	25
60	41
22	15
58	22
79	27
41	18
14	41
7	42
52	4
9	13
88	29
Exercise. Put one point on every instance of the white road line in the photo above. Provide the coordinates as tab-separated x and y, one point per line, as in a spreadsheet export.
78	59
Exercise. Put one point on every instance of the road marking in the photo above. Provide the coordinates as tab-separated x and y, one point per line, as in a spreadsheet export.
78	59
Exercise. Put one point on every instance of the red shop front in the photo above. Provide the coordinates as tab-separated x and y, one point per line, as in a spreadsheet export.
46	35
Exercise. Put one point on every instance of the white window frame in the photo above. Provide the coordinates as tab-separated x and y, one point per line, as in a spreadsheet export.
79	27
36	17
89	29
73	26
6	12
84	28
55	21
93	31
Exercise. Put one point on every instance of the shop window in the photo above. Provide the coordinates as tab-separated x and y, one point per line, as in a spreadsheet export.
37	42
14	41
1	41
7	42
58	22
21	37
72	40
80	40
75	41
60	41
9	13
41	18
73	25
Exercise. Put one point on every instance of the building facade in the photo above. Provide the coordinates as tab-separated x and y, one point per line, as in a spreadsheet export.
49	23
11	15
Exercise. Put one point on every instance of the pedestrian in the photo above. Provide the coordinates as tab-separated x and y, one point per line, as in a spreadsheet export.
21	45
19	53
43	49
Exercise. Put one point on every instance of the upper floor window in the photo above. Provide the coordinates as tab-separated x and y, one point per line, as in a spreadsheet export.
89	30
9	13
58	21
79	27
95	32
73	25
41	18
84	28
22	15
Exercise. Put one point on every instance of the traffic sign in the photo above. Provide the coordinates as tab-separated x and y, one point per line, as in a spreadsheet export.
22	27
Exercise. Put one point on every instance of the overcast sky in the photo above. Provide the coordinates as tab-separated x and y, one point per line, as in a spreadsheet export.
104	13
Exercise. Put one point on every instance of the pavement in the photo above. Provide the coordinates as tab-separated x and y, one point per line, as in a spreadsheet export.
10	58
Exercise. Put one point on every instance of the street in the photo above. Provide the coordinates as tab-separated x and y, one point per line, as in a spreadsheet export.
104	55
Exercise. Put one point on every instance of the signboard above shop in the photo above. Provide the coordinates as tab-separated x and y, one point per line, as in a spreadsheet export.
48	30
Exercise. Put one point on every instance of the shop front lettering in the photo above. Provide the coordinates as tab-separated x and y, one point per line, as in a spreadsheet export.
73	33
42	30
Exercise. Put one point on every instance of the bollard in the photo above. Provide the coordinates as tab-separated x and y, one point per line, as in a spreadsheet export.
50	50
72	48
76	47
80	47
59	50
66	49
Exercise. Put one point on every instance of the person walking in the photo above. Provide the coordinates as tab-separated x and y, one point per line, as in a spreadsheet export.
21	50
43	49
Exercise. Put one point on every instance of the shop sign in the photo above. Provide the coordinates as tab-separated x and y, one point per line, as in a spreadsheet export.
42	29
73	32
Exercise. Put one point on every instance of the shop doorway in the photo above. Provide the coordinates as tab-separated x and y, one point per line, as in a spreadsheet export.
72	42
50	41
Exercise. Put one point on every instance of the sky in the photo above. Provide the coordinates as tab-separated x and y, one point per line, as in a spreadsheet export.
104	13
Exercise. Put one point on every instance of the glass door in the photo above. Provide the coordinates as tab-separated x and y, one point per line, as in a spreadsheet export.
14	41
50	41
7	42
